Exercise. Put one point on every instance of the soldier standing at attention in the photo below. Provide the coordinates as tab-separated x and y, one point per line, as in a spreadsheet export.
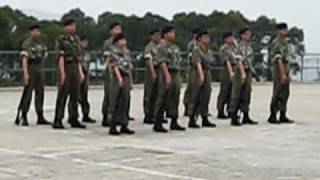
281	70
151	77
241	83
71	75
84	87
33	56
120	85
190	47
115	29
169	82
227	55
200	80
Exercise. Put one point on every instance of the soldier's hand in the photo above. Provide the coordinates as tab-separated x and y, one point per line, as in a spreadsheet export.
168	82
201	78
154	76
232	76
120	81
82	77
284	79
62	78
26	78
243	76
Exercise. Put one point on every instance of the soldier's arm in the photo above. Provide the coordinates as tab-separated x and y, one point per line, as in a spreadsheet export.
282	71
241	67
229	68
166	74
149	58
118	75
24	61
61	62
81	74
199	68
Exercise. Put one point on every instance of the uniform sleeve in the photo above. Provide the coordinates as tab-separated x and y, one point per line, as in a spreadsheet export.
60	47
24	50
277	53
162	55
196	56
239	54
148	54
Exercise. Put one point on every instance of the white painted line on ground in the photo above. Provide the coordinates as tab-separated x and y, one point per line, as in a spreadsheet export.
137	170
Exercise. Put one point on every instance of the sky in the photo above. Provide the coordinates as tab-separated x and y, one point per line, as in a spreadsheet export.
302	13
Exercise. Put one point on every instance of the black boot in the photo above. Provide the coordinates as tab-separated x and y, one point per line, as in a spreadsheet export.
126	130
17	121
247	120
105	122
42	120
74	123
158	126
193	123
175	126
24	120
185	110
87	119
113	130
57	124
273	119
207	123
221	115
234	120
284	119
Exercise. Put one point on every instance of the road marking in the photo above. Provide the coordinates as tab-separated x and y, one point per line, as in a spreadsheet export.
137	170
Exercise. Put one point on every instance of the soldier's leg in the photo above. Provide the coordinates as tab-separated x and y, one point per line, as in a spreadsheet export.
237	85
205	96
160	105
173	100
105	121
24	105
113	106
84	100
188	91
63	92
39	98
147	95
284	96
124	104
194	99
274	105
223	94
246	100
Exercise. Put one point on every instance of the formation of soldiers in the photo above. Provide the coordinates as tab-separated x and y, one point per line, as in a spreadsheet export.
162	79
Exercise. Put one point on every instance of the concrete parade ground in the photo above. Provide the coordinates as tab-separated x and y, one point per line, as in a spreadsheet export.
266	152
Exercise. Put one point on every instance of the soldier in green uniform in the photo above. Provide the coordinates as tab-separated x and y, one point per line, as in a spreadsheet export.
33	56
84	87
150	76
281	70
120	85
115	29
227	55
70	75
241	83
168	57
200	80
190	48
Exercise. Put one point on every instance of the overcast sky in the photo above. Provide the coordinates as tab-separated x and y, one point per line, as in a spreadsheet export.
302	13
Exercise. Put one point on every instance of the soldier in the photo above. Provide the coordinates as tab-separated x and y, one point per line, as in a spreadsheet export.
168	57
120	85
70	75
281	70
241	83
227	55
190	48
200	81
115	29
151	77
84	87
33	56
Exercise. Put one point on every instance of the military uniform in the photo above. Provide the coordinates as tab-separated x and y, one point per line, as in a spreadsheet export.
241	88
227	53
168	98
281	91
107	48
36	53
150	84
69	47
119	97
192	44
84	86
201	91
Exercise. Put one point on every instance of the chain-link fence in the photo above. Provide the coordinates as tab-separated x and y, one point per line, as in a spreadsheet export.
304	69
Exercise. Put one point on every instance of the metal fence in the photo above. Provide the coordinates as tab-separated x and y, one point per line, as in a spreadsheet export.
305	69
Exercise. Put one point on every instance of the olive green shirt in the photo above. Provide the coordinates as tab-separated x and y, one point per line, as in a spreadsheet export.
169	53
204	56
122	60
245	50
69	47
228	53
34	50
150	53
107	47
280	50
